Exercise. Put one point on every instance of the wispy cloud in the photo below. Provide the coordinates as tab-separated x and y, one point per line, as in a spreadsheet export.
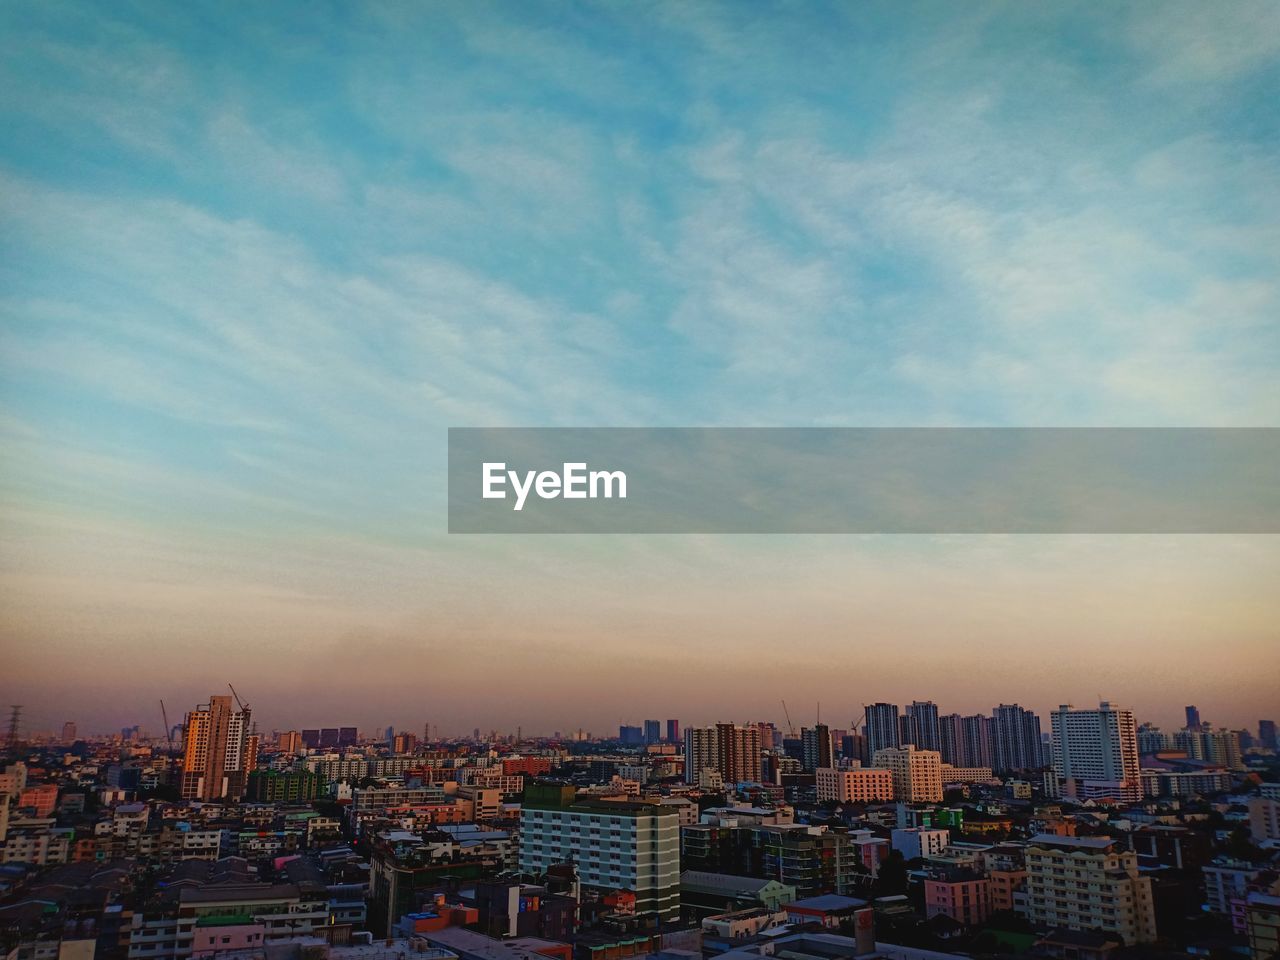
252	270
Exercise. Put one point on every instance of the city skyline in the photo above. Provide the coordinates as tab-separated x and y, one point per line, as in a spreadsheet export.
373	730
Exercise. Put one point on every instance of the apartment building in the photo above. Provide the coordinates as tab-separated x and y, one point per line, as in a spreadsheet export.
616	844
917	774
1088	883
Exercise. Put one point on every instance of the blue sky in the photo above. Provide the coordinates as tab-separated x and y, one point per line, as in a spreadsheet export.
254	262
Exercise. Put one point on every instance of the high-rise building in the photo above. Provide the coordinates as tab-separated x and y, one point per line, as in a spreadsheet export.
1267	734
881	727
1089	883
69	732
977	741
917	774
1152	740
925	730
815	745
673	731
652	731
1015	739
616	845
731	751
630	736
220	751
1095	753
951	740
1221	747
1193	719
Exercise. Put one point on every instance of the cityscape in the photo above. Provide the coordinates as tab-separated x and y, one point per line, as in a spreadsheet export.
639	480
909	834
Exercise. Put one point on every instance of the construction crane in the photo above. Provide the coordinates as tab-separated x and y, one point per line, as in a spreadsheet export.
241	705
791	727
168	730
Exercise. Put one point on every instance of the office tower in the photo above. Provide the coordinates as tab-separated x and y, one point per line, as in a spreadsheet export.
922	716
731	751
1089	883
630	736
1015	739
652	731
977	741
815	747
69	732
1267	734
673	731
917	774
1095	753
311	739
220	752
616	845
347	736
951	740
1193	719
881	727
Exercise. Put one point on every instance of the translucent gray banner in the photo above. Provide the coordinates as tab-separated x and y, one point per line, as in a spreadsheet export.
917	480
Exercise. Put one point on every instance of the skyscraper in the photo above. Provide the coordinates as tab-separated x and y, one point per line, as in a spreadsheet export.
977	741
1193	719
1095	752
925	730
951	740
673	731
881	727
219	753
816	747
652	731
1015	739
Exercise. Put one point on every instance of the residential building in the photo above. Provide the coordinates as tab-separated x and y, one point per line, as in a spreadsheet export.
728	750
917	774
881	727
1089	883
219	753
617	845
1095	753
1015	739
854	785
926	733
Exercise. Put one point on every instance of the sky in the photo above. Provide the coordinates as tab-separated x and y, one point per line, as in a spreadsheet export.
254	262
